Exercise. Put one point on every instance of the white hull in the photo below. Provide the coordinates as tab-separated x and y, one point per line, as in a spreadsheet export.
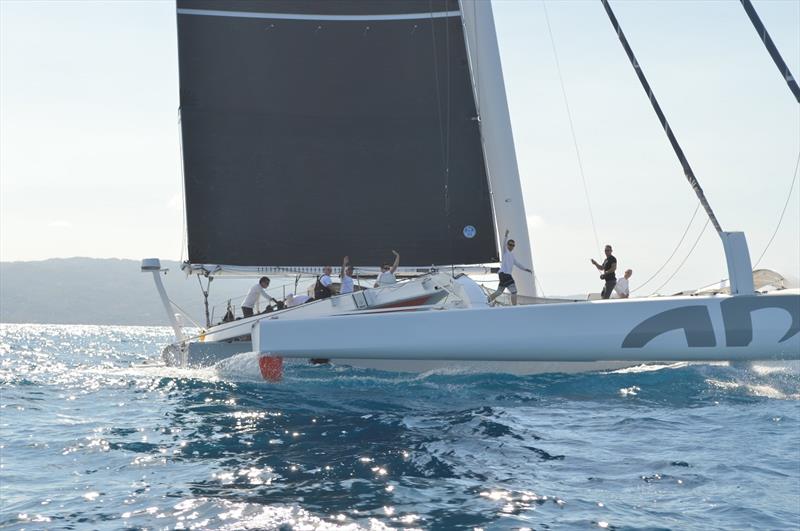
558	337
756	327
385	329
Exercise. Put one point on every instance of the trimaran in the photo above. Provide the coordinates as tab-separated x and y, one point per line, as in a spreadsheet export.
401	105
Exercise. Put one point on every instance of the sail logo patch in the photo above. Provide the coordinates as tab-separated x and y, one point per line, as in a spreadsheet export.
469	231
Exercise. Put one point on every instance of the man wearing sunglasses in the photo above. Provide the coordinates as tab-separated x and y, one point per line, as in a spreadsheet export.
386	276
609	268
506	267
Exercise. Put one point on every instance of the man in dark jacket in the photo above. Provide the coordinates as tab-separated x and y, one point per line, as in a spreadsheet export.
609	268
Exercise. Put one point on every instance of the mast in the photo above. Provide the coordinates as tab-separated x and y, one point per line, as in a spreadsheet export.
496	134
771	48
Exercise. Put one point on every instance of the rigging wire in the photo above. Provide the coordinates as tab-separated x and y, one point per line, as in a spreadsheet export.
685	258
785	205
571	126
205	297
444	129
436	81
184	313
675	250
537	280
447	137
685	232
447	115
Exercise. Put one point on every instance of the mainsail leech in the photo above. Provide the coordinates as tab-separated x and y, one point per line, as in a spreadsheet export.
687	169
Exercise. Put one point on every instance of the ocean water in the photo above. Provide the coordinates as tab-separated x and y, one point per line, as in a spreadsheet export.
93	437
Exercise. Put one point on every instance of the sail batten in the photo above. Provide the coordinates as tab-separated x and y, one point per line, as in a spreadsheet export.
317	16
308	138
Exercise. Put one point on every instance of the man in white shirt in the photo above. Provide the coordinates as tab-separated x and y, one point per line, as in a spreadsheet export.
322	289
622	289
255	293
386	276
346	276
506	267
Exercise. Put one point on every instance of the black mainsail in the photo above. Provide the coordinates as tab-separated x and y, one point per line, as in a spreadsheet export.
313	129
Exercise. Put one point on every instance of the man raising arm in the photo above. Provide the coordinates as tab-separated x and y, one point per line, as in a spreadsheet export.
386	276
506	267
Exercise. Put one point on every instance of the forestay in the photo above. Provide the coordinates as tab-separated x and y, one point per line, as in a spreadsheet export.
314	128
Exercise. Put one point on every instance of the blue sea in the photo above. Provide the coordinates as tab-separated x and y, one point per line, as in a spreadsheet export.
94	435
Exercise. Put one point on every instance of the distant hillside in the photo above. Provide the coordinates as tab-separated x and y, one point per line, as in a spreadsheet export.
101	291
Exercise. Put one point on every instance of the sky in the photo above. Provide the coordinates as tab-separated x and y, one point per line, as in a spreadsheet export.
89	152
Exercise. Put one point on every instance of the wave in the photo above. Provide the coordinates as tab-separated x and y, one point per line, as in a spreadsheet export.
94	357
678	384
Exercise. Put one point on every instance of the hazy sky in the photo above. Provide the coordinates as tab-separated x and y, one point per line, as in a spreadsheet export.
89	160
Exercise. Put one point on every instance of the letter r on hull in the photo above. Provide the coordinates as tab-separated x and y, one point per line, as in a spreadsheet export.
737	316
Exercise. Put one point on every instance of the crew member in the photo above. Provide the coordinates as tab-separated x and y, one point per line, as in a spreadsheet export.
255	293
622	289
506	267
386	276
608	267
322	289
346	276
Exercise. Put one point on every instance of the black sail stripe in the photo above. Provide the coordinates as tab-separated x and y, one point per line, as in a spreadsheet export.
315	16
